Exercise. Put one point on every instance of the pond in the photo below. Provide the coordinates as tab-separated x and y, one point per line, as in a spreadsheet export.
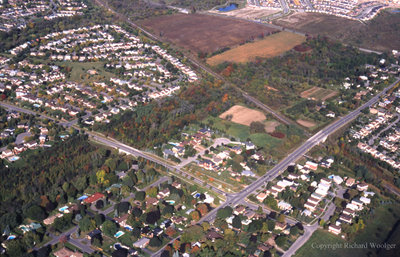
228	8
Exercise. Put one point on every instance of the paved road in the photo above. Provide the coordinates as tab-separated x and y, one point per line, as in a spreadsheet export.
292	158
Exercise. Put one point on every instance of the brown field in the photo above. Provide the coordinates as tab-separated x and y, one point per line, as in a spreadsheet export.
318	93
243	115
306	123
270	126
205	33
380	34
270	46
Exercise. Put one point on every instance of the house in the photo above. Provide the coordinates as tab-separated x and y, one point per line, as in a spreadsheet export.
151	201
212	235
310	206
261	197
337	179
272	192
239	210
177	185
349	212
365	200
93	198
249	145
264	247
280	226
284	205
163	193
64	252
293	176
31	144
50	220
334	229
141	243
93	234
345	218
7	153
362	187
350	182
122	220
311	165
178	219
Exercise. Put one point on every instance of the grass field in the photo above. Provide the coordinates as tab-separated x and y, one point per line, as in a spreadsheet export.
204	33
318	93
270	46
380	34
242	132
79	71
377	229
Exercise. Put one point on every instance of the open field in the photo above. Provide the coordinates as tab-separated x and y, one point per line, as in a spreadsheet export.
270	126
380	34
306	123
270	46
79	71
243	115
249	12
205	33
318	93
377	229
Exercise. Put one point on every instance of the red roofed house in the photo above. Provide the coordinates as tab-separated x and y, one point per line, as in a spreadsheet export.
93	198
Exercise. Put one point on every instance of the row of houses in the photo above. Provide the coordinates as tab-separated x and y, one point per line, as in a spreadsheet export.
378	155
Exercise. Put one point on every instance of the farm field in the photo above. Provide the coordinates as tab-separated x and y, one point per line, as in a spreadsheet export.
203	33
270	46
318	93
368	35
243	115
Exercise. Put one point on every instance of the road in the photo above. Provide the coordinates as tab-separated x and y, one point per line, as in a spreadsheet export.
234	199
292	158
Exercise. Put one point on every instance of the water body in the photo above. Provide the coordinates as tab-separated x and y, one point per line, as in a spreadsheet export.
228	8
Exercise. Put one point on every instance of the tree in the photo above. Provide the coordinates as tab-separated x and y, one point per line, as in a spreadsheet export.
140	195
36	213
193	234
99	204
281	218
137	212
294	231
99	219
123	207
109	228
155	242
281	240
153	216
121	252
87	224
195	215
271	225
202	208
224	213
205	225
257	127
237	222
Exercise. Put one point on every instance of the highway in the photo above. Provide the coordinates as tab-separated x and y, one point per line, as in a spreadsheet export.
319	137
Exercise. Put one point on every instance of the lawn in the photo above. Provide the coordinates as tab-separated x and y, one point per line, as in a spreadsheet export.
242	133
377	230
271	46
79	71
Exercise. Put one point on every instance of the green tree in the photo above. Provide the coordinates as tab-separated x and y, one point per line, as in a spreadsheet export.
237	222
224	213
109	228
